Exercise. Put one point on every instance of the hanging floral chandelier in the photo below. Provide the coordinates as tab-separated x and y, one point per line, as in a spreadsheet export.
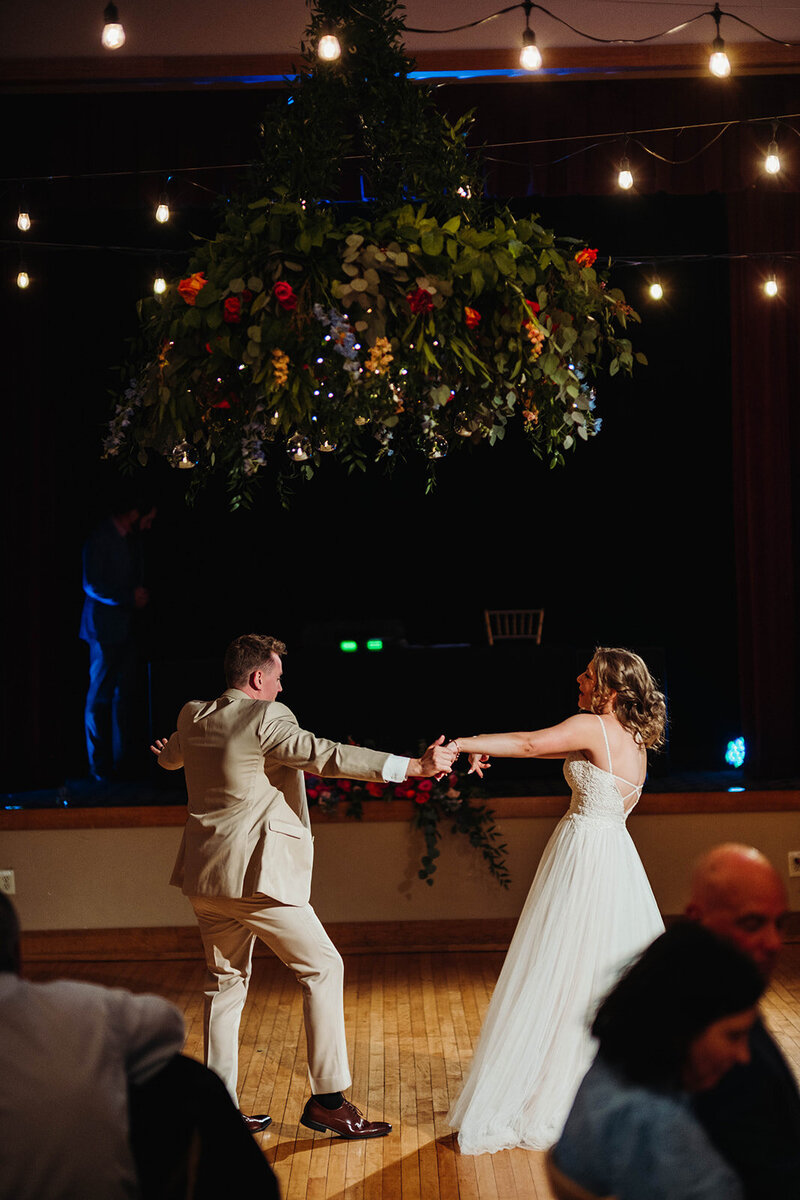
385	330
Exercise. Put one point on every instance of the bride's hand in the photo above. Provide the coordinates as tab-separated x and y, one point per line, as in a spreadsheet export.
478	763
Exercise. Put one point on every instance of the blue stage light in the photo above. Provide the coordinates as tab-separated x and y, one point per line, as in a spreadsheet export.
735	752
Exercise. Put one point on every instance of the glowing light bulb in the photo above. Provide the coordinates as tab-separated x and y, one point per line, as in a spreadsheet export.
159	285
162	212
328	47
113	33
530	56
625	177
771	286
772	163
656	290
23	279
719	63
24	221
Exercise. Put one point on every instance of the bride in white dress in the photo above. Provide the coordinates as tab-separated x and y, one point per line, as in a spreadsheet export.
590	910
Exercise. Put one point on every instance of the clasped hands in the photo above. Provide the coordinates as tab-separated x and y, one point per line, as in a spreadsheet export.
442	757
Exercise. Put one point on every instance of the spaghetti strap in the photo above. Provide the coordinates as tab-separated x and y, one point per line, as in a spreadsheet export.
608	748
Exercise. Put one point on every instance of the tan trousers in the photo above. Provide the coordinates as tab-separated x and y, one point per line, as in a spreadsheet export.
229	928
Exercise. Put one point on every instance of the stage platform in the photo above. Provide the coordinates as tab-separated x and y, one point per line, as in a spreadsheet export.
160	799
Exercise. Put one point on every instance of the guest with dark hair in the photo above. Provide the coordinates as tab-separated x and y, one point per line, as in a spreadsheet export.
676	1022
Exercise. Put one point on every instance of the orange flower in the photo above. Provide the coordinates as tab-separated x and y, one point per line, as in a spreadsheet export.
188	288
471	317
585	258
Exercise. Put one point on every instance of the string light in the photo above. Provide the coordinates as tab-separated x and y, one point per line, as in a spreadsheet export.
656	290
772	163
530	56
771	286
23	279
328	47
113	35
162	211
719	63
24	221
159	285
625	177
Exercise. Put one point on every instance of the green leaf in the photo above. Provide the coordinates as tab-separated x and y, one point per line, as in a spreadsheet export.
432	243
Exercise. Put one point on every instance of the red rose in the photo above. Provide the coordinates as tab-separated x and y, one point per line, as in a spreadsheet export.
532	305
585	258
375	789
232	310
424	785
188	288
247	296
420	301
283	293
471	317
421	798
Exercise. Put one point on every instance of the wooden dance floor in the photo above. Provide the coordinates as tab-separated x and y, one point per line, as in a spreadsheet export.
412	1021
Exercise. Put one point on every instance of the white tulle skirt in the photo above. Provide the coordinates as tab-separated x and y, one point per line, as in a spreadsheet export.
590	910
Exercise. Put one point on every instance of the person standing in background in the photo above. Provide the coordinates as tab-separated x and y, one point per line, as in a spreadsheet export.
113	586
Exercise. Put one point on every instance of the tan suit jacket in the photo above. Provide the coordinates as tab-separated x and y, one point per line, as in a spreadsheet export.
248	830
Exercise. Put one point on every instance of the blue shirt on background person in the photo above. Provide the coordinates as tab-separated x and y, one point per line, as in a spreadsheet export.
639	1143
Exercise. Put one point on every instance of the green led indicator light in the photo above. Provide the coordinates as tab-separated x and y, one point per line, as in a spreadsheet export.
374	644
348	647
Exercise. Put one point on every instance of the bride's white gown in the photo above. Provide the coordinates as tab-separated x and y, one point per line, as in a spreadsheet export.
590	910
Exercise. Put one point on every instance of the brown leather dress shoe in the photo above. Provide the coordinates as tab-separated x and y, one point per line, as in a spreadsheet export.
257	1124
345	1121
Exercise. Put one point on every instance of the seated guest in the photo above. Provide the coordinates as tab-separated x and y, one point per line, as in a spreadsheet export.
68	1053
675	1023
753	1115
73	1058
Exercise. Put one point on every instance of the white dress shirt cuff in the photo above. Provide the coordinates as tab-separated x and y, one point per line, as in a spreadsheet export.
395	768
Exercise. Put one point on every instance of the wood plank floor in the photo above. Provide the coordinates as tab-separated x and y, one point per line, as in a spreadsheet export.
412	1021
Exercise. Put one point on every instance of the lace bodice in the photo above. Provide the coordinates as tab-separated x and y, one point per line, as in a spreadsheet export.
595	791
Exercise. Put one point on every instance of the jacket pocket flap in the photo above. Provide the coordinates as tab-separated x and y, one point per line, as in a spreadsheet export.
278	826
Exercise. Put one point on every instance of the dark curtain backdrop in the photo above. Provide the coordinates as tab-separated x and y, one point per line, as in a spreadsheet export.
766	423
698	451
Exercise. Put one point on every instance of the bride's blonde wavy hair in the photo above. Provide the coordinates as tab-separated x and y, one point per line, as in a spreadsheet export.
639	706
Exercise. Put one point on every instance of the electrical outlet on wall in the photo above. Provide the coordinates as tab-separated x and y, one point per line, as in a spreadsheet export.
794	862
8	886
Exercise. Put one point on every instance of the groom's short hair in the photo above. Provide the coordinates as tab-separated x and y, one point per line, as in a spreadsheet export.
247	653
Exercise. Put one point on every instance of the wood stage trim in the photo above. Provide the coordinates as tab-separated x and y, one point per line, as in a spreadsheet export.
164	943
177	942
503	807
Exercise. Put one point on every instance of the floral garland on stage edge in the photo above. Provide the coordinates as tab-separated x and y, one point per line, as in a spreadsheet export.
386	329
436	800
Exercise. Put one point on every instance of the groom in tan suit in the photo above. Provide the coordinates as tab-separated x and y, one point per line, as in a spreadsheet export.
245	863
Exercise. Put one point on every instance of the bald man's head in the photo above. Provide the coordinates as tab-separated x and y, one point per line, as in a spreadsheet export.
738	894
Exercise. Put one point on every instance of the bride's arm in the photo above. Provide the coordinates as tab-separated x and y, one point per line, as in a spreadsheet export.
554	742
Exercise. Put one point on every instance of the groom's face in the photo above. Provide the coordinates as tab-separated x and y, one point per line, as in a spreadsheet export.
271	686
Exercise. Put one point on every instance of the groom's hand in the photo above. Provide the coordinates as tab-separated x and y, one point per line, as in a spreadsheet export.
437	760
